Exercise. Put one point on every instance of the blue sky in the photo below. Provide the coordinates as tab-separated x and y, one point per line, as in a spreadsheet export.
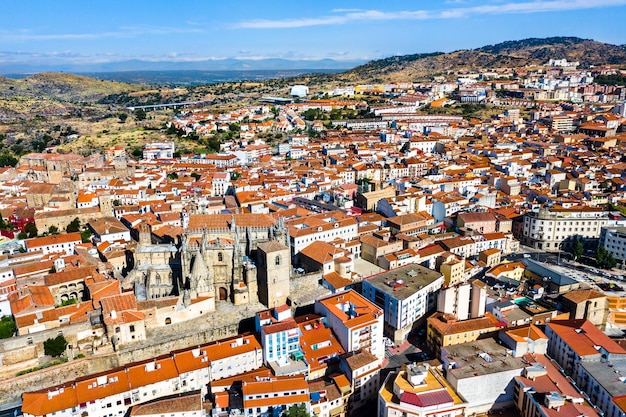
84	31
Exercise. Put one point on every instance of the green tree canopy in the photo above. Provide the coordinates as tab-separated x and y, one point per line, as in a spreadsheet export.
85	236
297	410
74	226
31	229
140	114
578	249
7	327
604	258
56	346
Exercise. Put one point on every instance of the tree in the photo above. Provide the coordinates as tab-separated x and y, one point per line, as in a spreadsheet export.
604	258
140	114
7	159
172	176
31	229
7	327
85	236
122	117
578	249
56	346
297	410
74	226
53	230
137	152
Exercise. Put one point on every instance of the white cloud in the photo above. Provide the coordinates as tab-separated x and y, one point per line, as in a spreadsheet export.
352	15
123	32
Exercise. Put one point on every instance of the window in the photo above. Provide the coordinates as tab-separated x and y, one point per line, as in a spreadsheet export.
220	257
277	260
132	328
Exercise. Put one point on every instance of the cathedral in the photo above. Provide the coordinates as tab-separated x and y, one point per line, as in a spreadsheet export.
236	258
219	258
156	268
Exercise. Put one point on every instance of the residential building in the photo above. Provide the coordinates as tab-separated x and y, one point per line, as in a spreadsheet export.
357	322
318	345
481	222
109	229
405	294
158	150
587	304
62	243
420	391
280	337
614	241
557	228
444	329
592	360
259	398
325	227
543	390
482	373
363	371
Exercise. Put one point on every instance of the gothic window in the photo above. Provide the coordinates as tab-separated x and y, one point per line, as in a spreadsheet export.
220	258
277	260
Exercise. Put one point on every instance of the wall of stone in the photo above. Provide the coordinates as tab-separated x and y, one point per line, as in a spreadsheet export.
11	389
305	283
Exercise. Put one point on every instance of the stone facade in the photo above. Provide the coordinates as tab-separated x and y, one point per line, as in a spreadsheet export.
227	255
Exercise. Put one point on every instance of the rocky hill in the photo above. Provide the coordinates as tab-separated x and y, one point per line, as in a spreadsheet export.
62	87
532	51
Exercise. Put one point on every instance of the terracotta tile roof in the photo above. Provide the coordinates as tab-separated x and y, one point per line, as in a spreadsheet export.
276	384
181	403
321	252
367	312
447	324
119	303
358	360
581	336
579	296
37	267
282	326
37	242
336	280
151	371
50	400
106	384
69	275
317	342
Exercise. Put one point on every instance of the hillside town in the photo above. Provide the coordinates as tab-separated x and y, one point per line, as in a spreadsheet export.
404	262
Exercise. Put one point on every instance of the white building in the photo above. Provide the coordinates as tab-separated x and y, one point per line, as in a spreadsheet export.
557	227
325	227
158	150
406	294
614	240
418	391
357	322
280	334
482	373
64	243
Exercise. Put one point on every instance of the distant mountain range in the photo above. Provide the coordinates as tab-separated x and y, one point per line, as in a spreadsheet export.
207	65
63	87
